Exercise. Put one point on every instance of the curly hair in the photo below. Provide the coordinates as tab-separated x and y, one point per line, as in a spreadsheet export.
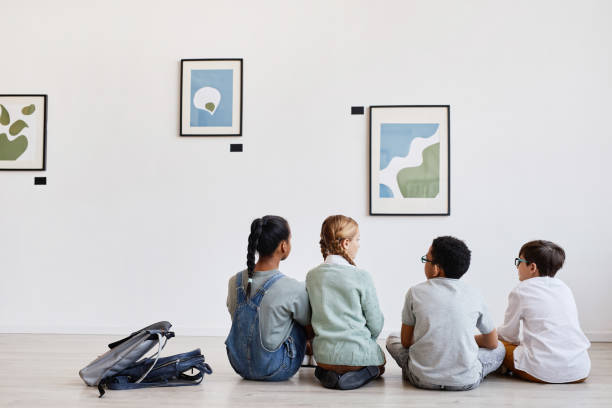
452	255
334	230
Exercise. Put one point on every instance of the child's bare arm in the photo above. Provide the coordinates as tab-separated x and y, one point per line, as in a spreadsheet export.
488	340
309	332
407	335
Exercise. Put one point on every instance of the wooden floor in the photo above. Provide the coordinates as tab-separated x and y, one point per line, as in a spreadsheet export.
42	371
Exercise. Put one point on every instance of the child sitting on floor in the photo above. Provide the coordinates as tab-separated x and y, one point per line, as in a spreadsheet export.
551	347
346	317
269	310
437	349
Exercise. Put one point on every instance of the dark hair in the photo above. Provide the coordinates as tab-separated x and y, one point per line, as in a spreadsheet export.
266	233
452	255
547	256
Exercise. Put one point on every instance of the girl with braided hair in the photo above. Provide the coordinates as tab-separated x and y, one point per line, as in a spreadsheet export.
346	317
269	310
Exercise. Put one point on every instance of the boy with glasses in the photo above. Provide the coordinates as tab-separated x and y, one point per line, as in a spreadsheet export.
437	349
550	347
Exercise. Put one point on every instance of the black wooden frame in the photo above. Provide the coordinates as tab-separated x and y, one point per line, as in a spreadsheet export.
449	160
241	97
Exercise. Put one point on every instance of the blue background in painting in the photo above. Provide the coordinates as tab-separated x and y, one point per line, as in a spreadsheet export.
385	192
223	81
395	139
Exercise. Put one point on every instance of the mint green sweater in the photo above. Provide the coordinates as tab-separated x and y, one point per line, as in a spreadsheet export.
346	317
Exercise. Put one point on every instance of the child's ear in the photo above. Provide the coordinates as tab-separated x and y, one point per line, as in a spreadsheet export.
533	268
345	243
281	248
439	272
436	270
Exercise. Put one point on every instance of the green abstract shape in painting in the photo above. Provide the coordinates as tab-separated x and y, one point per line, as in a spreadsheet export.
5	119
17	127
11	150
210	106
422	181
28	110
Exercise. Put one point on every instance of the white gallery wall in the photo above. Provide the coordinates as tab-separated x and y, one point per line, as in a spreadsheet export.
137	224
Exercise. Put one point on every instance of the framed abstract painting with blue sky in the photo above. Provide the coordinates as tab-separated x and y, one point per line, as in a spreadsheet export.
410	160
211	97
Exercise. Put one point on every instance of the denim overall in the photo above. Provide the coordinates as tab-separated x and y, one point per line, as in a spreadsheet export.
245	351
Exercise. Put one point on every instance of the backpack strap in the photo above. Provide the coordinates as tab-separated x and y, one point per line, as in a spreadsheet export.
164	327
160	346
159	349
262	291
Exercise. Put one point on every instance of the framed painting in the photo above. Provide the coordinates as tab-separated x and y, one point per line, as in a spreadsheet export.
410	160
23	132
211	97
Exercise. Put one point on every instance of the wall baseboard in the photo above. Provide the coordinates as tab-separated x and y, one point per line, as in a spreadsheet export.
112	331
599	336
593	336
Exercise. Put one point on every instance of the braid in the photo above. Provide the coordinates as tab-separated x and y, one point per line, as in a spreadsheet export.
256	228
330	242
338	249
324	250
346	256
327	235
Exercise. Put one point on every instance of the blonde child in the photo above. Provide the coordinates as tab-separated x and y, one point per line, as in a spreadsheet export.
346	317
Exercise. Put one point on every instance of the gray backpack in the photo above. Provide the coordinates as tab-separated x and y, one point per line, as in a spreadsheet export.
120	368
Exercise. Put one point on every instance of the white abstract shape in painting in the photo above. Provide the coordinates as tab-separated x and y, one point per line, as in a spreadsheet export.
388	176
207	99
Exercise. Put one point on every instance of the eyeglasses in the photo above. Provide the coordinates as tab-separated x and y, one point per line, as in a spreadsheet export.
517	261
424	259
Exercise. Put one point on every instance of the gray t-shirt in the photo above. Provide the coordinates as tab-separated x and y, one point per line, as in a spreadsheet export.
445	313
285	301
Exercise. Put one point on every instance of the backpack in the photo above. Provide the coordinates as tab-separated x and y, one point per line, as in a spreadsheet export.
120	368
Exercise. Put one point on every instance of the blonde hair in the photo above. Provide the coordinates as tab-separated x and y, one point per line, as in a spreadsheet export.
336	228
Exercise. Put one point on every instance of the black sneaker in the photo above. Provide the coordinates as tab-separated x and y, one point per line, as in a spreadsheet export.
329	379
356	379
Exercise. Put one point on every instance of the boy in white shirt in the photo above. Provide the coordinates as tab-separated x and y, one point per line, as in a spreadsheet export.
550	347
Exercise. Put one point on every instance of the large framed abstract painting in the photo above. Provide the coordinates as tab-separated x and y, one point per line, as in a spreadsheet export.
23	132
211	97
410	160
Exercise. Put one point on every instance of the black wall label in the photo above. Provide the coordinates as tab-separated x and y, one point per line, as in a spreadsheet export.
356	110
236	147
40	181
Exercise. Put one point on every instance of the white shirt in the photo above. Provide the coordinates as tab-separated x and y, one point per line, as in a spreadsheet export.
336	260
552	347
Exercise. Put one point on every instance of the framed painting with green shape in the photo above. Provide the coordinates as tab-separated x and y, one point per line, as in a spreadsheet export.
211	97
23	132
410	160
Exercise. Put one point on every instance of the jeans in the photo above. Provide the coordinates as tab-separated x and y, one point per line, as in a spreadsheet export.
491	360
272	366
245	351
